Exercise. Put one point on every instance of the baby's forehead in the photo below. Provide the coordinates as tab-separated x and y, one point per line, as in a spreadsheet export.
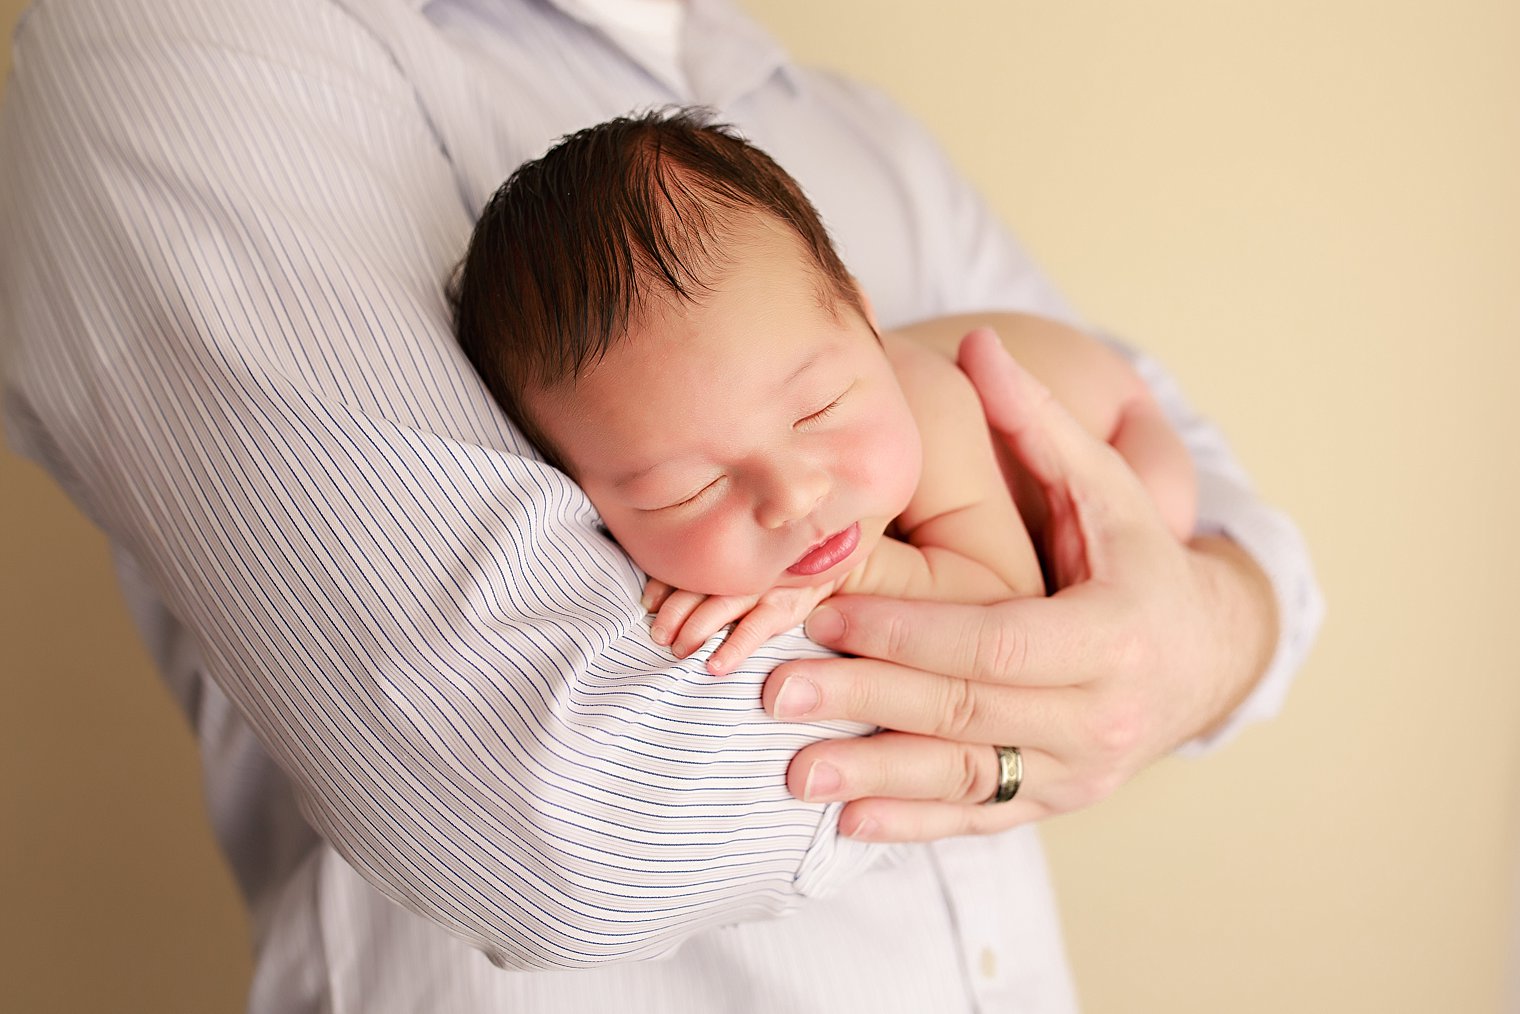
687	369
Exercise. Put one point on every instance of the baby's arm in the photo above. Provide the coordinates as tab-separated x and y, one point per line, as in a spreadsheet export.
961	538
1098	387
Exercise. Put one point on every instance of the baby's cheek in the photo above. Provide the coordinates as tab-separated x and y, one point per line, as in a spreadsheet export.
657	551
892	465
711	558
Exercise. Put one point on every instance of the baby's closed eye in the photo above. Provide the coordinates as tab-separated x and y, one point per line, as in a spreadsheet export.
821	414
692	500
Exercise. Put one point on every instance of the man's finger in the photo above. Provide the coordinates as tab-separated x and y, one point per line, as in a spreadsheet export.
904	820
910	700
1044	436
1031	642
901	766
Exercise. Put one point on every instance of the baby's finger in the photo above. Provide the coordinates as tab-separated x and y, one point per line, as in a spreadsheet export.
655	594
716	612
759	625
672	616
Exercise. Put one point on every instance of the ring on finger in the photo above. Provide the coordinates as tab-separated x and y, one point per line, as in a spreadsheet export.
1010	774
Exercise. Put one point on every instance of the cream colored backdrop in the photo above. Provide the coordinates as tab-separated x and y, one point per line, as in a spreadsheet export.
1310	211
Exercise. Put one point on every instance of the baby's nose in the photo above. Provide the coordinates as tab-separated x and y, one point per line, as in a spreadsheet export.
793	495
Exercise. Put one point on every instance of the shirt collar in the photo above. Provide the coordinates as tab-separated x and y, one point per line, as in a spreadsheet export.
732	55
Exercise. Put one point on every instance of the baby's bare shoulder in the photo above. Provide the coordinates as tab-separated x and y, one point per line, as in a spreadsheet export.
930	380
959	466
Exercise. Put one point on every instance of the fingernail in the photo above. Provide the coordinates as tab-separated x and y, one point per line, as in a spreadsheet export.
717	667
825	625
823	782
866	830
660	635
798	697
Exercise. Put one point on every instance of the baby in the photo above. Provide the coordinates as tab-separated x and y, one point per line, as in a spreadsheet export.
657	306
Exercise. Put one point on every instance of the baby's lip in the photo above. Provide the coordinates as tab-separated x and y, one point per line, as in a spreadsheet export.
829	552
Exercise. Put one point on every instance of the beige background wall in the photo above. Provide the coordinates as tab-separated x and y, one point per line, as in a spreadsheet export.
1309	210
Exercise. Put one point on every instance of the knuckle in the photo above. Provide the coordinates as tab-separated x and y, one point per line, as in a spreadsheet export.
960	711
881	775
1134	650
971	785
896	637
853	699
999	650
1115	731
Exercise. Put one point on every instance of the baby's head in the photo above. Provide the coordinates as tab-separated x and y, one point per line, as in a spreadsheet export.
657	306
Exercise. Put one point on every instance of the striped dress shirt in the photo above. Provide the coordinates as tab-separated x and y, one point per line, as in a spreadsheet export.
432	722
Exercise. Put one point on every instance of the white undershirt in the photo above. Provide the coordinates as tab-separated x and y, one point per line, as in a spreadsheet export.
649	29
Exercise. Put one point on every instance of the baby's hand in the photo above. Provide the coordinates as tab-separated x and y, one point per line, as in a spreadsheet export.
685	620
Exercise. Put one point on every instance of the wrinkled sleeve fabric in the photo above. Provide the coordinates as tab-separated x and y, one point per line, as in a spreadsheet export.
971	262
227	228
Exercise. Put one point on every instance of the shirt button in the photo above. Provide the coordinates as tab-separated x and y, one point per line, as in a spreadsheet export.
989	963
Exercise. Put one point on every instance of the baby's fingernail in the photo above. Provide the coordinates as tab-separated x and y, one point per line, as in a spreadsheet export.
717	666
825	625
798	697
660	635
823	781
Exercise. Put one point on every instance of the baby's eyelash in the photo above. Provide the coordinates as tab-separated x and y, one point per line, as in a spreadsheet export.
821	414
698	495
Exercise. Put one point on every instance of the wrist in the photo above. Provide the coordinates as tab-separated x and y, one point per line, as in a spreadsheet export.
1238	598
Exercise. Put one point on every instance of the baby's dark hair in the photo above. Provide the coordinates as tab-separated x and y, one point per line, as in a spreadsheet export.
575	244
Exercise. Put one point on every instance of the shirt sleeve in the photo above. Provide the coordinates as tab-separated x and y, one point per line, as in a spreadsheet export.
969	261
227	227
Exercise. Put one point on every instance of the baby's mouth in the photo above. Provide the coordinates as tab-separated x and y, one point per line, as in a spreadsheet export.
831	552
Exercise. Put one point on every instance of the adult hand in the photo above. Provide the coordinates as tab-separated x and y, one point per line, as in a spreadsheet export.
1144	644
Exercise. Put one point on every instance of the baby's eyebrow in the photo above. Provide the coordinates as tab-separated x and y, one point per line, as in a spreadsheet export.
807	364
630	478
633	476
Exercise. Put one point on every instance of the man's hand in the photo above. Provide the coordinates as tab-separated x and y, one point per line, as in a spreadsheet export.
1145	644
